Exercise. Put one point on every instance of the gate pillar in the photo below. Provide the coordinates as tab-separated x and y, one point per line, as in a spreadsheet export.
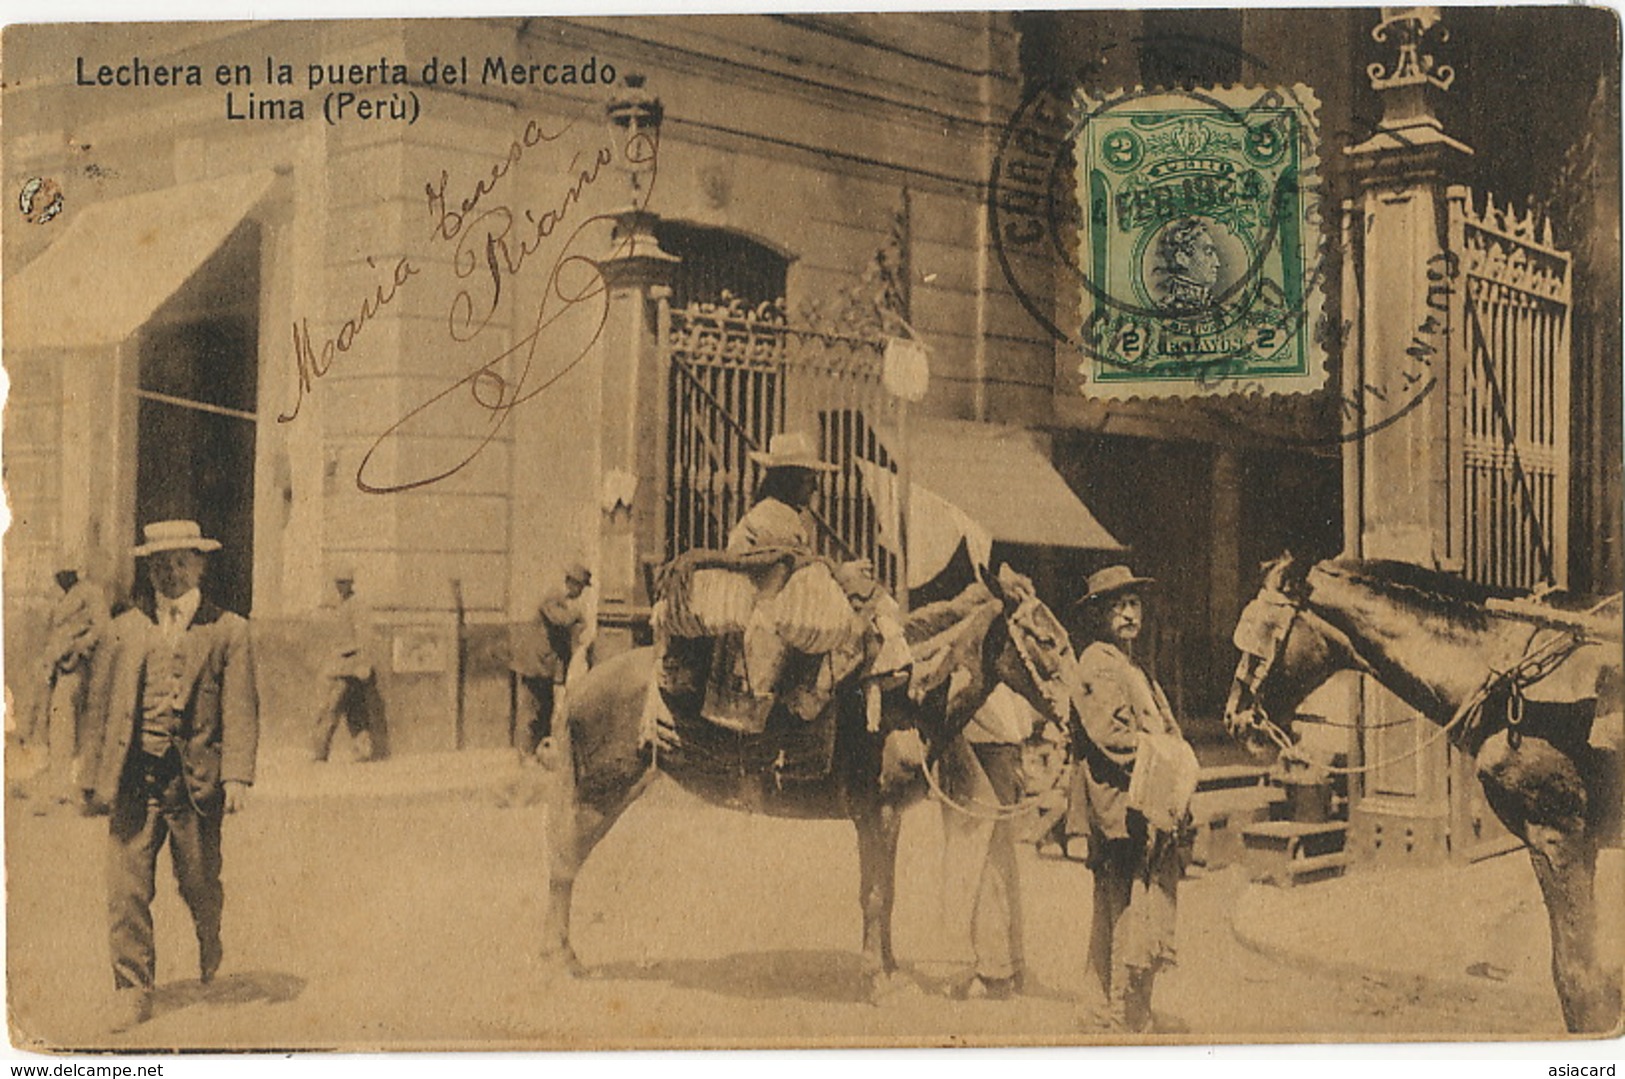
637	275
1396	415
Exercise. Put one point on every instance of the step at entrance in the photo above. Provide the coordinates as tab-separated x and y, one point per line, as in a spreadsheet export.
1290	852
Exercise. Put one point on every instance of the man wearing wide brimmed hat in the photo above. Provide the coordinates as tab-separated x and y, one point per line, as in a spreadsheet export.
779	517
540	654
745	666
1123	713
179	734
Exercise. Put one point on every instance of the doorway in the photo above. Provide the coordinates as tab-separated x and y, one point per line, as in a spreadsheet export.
196	422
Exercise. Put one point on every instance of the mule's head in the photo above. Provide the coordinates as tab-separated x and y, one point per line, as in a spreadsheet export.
1287	651
1034	658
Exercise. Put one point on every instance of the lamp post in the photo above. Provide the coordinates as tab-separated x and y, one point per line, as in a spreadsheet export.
1398	476
634	125
1408	83
637	276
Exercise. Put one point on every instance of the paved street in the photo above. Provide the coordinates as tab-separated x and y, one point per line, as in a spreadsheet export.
407	919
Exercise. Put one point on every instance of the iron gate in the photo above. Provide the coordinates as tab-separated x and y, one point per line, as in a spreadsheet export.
739	375
1510	403
1512	395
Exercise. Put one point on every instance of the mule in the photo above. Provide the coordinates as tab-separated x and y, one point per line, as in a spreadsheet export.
1006	635
1537	708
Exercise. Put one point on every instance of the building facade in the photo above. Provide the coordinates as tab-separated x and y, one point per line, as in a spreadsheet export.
309	318
291	316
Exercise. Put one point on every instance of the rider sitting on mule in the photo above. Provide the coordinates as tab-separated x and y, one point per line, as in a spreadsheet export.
779	519
781	619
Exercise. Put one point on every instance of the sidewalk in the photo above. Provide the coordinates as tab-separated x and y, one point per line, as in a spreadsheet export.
1478	928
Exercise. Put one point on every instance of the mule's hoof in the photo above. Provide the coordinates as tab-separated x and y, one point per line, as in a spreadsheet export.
562	965
892	988
982	987
1097	1019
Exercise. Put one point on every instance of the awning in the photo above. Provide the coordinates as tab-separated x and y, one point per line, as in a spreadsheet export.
116	262
976	483
1002	477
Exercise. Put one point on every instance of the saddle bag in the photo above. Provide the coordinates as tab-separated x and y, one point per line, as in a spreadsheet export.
813	613
730	701
716	602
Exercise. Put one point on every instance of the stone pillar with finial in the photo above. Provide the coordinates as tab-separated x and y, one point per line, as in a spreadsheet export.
638	276
1399	427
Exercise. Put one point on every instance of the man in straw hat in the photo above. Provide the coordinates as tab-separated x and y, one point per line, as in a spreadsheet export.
540	655
779	517
1134	858
180	728
746	666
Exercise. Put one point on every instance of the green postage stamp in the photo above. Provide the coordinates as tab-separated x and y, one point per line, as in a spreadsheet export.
1199	243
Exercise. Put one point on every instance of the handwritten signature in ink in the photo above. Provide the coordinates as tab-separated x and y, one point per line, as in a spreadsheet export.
493	248
311	364
448	221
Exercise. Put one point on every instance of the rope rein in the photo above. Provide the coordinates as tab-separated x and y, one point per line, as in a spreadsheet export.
1283	742
977	809
1534	665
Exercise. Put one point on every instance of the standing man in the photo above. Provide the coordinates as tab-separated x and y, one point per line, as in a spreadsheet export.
180	729
78	621
352	678
541	655
1127	723
981	772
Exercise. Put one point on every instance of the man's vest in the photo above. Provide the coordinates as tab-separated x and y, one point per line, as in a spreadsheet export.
162	700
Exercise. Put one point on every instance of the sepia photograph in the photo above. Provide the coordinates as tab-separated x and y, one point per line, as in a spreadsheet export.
950	528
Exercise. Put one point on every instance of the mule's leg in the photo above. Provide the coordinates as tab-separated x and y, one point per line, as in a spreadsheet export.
566	853
600	767
1538	793
878	826
1565	864
575	829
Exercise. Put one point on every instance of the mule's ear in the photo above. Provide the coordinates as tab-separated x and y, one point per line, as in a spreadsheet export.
1294	575
1015	587
1275	569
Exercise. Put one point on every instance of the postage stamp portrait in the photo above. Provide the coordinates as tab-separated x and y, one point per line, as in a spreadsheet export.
1198	243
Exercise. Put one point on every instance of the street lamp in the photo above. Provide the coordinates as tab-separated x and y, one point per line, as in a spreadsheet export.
634	125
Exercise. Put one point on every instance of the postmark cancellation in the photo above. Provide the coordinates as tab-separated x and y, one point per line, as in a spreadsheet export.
1198	242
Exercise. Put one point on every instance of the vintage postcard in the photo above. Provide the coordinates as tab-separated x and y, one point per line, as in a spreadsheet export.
813	530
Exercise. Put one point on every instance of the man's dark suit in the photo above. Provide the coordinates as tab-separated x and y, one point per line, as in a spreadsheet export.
178	797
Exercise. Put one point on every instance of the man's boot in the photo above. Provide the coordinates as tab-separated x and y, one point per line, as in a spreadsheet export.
1137	1000
1118	1007
209	954
131	1008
